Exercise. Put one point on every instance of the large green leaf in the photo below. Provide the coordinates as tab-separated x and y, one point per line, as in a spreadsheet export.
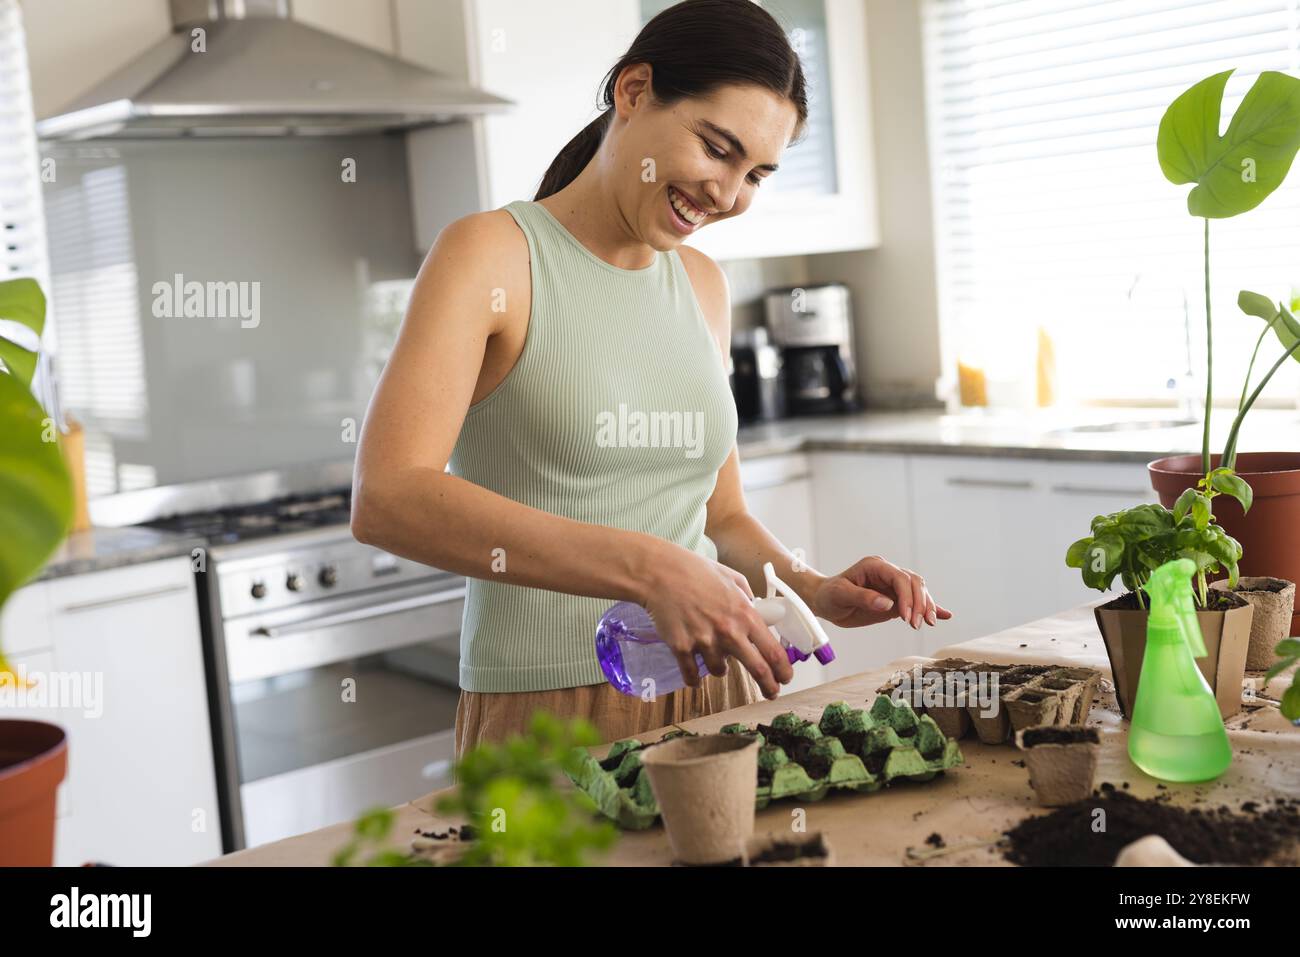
35	488
21	301
1237	171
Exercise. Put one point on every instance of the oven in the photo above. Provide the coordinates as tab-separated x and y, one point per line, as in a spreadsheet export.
333	680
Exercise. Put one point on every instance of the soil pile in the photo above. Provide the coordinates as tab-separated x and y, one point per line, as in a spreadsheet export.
1202	835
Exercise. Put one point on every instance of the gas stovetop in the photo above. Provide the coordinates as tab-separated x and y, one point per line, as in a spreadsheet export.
281	516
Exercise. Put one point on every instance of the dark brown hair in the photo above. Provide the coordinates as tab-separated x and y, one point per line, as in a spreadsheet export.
693	48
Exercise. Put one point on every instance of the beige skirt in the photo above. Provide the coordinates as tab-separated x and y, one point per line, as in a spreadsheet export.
494	716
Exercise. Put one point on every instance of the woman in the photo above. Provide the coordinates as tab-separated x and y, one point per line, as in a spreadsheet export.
566	357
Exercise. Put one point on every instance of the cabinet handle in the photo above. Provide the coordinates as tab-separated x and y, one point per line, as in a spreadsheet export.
1100	490
990	483
123	599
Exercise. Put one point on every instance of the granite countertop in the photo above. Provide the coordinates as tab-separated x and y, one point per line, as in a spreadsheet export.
99	549
1035	434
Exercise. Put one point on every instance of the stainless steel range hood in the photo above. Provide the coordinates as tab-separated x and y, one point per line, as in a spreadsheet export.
261	73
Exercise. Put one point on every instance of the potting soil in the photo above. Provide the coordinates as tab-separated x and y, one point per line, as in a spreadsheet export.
1067	836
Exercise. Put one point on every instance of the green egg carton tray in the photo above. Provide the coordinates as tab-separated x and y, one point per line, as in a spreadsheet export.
848	749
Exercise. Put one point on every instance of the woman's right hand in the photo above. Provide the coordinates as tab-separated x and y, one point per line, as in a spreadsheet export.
702	607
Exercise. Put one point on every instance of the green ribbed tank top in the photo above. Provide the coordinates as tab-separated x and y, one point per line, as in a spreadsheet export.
618	413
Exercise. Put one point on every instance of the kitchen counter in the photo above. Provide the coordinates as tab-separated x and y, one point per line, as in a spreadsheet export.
99	549
969	806
1036	434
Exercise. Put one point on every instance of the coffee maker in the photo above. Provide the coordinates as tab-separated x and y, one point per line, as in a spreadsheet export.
757	381
812	325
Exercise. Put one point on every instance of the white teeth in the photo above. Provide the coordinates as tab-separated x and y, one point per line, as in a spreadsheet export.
687	211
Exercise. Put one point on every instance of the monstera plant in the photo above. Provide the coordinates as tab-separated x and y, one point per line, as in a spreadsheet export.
1233	172
36	497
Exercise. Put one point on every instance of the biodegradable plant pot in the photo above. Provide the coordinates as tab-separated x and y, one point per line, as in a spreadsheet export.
1272	599
794	850
33	760
705	790
1028	706
1227	638
1268	531
1062	761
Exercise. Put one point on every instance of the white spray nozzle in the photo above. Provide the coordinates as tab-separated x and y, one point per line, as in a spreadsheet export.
792	620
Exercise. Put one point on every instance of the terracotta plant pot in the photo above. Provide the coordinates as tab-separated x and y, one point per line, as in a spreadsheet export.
1227	638
1268	531
1272	599
33	760
704	787
1062	761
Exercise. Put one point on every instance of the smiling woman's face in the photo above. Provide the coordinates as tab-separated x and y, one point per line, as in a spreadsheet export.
709	155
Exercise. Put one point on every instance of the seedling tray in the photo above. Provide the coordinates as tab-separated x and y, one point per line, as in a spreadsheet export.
1028	695
848	749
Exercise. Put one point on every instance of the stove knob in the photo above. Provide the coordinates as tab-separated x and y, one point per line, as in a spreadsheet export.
328	577
293	582
259	589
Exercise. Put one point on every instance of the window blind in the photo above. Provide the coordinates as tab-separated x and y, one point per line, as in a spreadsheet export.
22	225
23	250
1051	209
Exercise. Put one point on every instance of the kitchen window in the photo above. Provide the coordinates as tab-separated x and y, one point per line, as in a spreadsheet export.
1051	209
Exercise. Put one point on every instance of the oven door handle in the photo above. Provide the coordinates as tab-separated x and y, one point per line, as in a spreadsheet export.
360	614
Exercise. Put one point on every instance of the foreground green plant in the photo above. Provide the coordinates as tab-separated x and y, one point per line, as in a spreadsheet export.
509	794
1135	542
518	807
36	499
1288	652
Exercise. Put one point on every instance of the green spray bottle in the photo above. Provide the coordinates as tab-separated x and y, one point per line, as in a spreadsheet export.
1176	733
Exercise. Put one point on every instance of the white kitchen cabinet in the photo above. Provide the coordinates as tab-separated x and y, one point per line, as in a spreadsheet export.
861	509
141	785
779	493
991	534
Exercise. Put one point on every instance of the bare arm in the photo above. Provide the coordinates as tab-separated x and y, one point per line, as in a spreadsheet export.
872	590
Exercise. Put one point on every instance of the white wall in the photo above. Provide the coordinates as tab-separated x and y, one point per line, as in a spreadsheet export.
73	44
894	287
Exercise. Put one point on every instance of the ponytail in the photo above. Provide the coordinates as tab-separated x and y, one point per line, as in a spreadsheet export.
693	48
575	156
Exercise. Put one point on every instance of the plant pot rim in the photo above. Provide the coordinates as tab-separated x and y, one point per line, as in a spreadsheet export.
1189	463
50	739
1107	605
1222	583
1020	737
711	746
1269	473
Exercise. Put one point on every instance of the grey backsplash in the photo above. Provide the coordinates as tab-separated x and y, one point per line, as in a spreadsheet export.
176	399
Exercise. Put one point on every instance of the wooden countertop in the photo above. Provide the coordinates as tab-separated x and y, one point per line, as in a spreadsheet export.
969	806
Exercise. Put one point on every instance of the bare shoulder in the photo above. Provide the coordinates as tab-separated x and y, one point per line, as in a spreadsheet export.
478	266
482	237
711	289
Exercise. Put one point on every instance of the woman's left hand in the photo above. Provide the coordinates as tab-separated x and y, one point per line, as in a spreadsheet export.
874	590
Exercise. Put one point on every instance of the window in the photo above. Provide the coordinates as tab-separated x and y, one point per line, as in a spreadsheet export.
1051	210
22	227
